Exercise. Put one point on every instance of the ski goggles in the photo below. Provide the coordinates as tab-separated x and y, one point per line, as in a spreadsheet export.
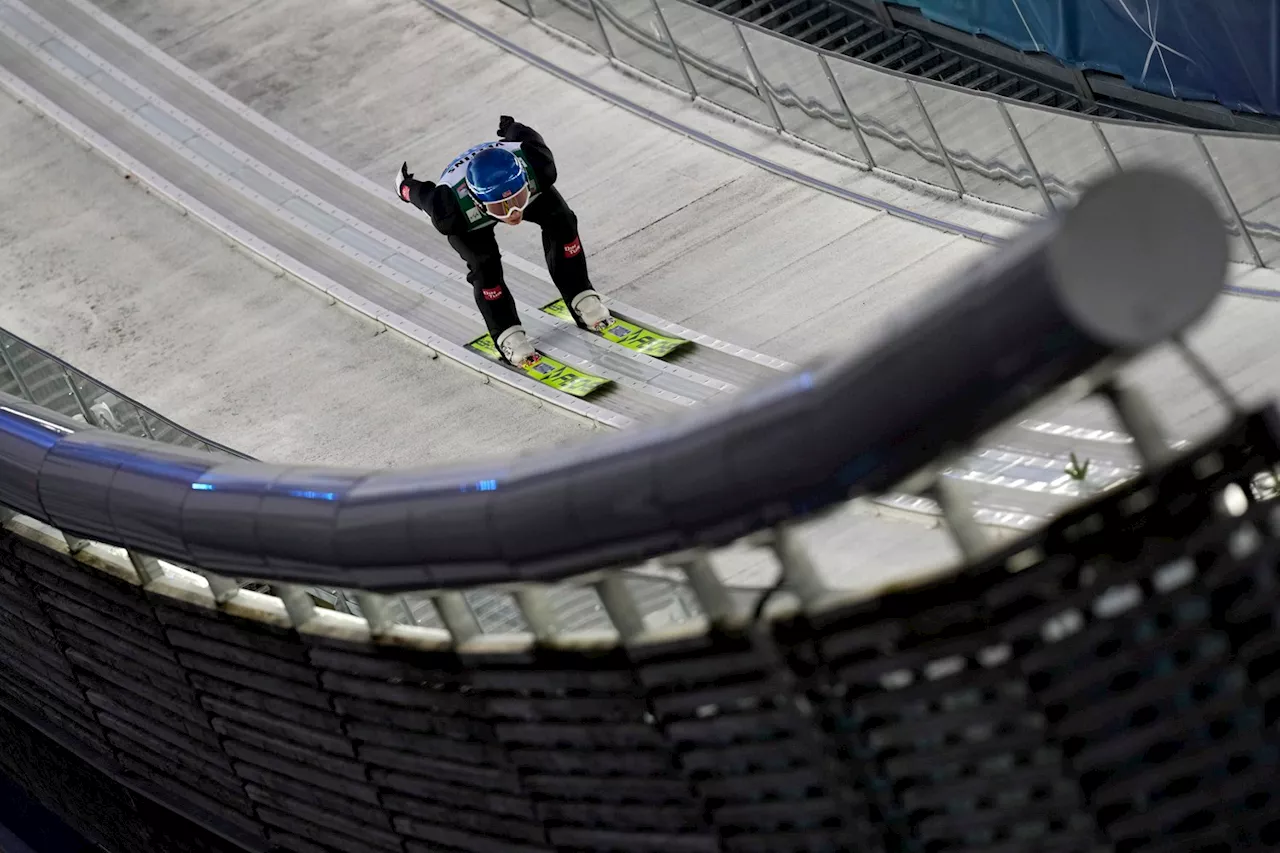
503	208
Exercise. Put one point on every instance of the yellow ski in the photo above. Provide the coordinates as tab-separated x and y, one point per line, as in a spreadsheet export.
625	333
546	370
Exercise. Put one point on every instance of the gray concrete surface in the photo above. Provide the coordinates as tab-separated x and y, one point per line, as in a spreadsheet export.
157	306
672	226
252	180
863	270
633	185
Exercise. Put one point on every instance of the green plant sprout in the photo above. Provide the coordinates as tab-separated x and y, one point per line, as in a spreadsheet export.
1076	470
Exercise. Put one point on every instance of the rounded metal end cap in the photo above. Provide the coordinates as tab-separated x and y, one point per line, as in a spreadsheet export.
1140	258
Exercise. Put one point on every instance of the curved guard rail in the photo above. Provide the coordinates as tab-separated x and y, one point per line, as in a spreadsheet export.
1138	259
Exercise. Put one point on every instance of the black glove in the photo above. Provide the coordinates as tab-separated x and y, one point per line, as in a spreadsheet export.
408	184
504	126
404	187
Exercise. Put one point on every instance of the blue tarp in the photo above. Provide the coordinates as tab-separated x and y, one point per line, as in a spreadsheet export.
1210	50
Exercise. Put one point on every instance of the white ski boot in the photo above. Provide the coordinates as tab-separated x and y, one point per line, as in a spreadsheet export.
516	348
591	310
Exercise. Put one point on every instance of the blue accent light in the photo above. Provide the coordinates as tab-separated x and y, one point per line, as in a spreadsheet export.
202	487
314	496
487	486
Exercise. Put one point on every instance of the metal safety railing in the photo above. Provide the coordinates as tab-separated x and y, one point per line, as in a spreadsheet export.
29	372
979	146
37	376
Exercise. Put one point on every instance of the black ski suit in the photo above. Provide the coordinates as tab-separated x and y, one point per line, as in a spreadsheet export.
561	244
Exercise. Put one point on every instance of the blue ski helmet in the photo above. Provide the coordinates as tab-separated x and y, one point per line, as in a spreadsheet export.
494	174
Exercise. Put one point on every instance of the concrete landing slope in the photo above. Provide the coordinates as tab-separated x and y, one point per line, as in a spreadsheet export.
683	231
327	225
781	269
679	230
155	304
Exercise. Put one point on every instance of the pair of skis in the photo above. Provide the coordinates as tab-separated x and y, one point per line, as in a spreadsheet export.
570	380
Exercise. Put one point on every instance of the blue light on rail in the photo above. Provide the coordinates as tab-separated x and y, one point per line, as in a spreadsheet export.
314	496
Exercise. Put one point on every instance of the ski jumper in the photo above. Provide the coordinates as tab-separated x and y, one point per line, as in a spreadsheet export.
457	215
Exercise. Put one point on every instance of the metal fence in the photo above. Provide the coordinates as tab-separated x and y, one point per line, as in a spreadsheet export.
981	146
29	372
35	375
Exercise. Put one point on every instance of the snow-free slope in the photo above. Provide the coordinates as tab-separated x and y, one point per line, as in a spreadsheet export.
683	231
156	305
669	225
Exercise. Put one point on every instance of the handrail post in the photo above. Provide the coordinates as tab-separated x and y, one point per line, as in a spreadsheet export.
457	616
147	568
621	607
75	393
1106	146
712	595
956	510
223	588
376	612
762	88
297	603
675	49
844	105
799	575
937	140
1026	156
1228	200
1135	413
538	613
142	419
595	13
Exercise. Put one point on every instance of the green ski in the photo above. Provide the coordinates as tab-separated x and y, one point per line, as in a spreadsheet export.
546	370
631	335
